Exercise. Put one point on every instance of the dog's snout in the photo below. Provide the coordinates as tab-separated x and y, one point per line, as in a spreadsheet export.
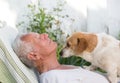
61	52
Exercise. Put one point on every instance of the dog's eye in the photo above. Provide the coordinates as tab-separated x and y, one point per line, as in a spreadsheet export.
68	45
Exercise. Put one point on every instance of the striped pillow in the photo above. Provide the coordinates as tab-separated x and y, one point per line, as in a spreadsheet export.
5	75
18	70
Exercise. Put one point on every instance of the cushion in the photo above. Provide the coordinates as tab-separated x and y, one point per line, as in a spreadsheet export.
18	70
5	75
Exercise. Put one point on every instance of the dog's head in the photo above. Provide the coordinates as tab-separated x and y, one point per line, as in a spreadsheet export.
79	42
75	45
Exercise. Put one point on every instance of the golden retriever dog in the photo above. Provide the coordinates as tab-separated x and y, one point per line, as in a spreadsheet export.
101	50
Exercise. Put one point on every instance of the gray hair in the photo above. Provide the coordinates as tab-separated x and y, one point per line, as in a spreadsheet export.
22	48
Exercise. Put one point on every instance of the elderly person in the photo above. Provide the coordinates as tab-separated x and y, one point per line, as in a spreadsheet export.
39	51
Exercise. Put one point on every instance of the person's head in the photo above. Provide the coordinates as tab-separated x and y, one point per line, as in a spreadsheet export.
33	47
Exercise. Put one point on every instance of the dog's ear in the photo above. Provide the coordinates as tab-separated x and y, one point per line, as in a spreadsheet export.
82	44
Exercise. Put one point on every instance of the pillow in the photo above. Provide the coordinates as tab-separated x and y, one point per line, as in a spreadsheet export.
18	70
5	75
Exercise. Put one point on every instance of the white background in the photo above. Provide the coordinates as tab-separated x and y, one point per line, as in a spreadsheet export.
89	15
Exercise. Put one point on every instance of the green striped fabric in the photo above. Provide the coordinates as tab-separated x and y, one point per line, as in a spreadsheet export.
18	70
5	75
13	64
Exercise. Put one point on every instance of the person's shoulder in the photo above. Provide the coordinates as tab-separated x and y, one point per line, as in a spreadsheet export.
50	73
58	72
